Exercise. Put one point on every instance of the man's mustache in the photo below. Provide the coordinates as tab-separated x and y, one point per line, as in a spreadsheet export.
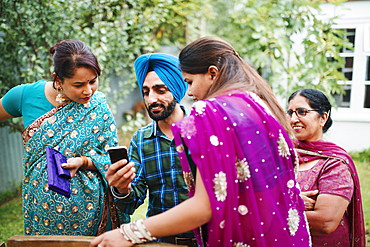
155	105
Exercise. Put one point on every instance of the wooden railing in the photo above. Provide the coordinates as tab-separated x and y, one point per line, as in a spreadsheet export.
63	241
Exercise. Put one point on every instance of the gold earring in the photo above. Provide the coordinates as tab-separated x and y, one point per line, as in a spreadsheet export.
60	97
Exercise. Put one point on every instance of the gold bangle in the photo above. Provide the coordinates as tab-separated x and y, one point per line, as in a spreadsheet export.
85	162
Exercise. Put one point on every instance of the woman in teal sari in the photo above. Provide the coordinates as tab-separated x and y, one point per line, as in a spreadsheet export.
70	116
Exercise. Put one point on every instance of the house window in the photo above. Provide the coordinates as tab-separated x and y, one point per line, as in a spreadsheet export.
348	68
367	96
344	99
367	83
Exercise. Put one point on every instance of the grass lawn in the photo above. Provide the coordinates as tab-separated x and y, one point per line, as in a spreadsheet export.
363	170
11	219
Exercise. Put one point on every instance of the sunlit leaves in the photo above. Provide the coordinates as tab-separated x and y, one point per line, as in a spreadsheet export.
118	31
284	39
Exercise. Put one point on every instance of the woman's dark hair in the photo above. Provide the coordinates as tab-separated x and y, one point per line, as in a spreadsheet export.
318	101
68	55
234	72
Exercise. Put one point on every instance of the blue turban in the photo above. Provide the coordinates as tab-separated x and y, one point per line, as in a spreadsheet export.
167	68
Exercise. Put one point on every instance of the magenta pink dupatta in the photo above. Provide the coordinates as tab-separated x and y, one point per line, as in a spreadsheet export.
312	150
246	161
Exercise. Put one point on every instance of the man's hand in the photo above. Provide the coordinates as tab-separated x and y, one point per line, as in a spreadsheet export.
120	175
308	202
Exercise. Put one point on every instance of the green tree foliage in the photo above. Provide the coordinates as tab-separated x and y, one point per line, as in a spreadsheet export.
284	41
118	31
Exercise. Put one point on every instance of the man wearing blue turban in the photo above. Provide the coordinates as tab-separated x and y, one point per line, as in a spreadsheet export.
166	67
154	163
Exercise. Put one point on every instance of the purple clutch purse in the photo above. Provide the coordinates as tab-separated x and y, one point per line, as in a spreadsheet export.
58	177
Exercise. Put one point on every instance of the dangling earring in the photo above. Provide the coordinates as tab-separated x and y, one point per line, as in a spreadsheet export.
60	97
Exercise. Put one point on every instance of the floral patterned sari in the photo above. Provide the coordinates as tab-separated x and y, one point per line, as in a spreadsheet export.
248	166
73	129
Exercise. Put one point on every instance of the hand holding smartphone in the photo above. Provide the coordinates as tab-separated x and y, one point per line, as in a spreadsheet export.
117	153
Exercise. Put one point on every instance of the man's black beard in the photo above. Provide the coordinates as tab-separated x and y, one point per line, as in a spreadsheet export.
166	112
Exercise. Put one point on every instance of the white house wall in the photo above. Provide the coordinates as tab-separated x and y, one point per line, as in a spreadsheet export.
351	126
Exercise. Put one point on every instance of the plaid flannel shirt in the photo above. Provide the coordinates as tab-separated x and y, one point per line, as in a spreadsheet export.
158	169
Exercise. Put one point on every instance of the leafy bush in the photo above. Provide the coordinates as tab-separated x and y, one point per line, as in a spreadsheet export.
285	41
363	156
129	128
118	31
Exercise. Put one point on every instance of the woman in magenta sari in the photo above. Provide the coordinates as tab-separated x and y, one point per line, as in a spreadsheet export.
237	159
327	174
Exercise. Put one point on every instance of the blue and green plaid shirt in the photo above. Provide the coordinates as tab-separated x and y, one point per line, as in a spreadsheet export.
158	169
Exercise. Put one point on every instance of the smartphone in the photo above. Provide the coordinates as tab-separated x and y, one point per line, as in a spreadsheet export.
117	153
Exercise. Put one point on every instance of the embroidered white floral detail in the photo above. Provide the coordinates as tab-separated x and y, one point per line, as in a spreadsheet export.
296	162
31	133
199	106
293	221
242	209
95	129
258	100
242	169
73	134
222	224
52	119
187	127
50	133
283	146
180	148
66	151
220	186
290	184
240	244
69	119
189	180
214	140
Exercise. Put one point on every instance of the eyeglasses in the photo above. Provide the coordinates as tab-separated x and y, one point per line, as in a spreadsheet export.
300	112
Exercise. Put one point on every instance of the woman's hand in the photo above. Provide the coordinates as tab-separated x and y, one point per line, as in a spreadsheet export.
308	202
112	238
73	164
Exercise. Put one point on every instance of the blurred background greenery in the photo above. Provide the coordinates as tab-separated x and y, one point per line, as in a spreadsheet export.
263	32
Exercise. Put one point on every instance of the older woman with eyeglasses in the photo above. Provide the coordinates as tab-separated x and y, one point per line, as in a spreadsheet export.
327	175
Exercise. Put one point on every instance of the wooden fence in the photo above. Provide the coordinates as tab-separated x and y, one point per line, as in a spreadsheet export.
11	156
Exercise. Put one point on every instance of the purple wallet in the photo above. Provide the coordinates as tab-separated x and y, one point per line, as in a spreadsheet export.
58	177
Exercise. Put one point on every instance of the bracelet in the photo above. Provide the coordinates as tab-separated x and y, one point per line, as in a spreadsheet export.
117	195
85	162
136	232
